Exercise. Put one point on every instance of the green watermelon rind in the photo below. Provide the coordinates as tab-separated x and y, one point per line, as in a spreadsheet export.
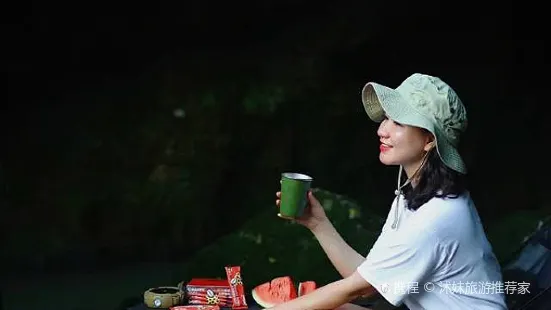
261	302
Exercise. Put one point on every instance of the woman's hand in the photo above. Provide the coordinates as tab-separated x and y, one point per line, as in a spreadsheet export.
313	213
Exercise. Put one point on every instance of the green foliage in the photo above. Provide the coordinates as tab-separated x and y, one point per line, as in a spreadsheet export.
152	152
264	99
268	246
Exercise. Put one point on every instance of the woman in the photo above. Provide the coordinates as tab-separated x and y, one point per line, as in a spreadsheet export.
432	252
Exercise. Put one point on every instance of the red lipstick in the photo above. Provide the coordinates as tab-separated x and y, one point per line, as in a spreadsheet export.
384	148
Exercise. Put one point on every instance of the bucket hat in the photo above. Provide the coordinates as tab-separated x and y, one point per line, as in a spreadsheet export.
422	101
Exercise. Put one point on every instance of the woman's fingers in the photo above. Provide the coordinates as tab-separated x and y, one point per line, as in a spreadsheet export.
311	198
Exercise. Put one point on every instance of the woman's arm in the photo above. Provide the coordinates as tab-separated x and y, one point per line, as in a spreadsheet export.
332	295
342	256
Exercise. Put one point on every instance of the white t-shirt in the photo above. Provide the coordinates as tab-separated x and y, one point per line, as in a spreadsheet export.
437	257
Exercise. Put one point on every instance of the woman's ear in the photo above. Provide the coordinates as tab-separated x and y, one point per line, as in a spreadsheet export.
429	146
431	143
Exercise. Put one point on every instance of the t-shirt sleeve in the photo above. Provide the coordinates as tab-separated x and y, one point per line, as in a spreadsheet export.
398	266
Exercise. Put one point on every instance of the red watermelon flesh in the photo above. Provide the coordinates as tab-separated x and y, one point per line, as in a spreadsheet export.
306	287
273	293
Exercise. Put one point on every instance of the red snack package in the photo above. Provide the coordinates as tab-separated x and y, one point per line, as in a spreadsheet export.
236	285
204	291
210	299
210	294
194	308
200	285
204	302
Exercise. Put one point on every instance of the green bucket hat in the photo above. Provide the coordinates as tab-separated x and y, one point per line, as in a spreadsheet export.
422	101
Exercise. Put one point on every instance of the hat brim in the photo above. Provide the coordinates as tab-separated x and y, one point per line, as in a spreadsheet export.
380	101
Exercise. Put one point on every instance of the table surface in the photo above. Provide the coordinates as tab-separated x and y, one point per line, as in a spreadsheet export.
250	302
252	305
143	307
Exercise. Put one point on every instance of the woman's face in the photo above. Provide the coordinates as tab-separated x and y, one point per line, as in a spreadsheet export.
402	144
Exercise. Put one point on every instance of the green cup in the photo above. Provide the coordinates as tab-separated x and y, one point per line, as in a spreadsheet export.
294	189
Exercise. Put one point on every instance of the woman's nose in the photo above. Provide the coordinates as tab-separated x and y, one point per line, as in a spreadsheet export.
382	131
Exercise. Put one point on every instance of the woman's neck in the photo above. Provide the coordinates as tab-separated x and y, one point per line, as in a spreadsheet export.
412	170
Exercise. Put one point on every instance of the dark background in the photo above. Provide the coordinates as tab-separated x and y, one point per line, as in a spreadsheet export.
96	172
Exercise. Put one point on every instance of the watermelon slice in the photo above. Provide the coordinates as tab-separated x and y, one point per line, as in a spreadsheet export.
306	287
279	290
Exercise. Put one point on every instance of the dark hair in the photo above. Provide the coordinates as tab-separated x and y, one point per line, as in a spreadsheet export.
435	180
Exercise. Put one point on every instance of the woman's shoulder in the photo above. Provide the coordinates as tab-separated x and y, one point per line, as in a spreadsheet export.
450	201
445	210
